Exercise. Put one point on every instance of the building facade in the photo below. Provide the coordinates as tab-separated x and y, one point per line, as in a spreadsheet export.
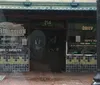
56	36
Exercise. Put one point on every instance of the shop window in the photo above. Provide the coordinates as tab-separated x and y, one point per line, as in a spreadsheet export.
14	53
82	38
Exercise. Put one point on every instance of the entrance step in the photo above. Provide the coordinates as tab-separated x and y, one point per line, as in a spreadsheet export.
37	66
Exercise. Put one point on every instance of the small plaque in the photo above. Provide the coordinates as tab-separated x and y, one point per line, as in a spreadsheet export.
24	41
78	39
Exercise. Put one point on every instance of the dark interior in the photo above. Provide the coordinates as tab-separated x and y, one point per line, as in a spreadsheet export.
53	52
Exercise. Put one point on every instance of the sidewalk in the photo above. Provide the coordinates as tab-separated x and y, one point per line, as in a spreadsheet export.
37	78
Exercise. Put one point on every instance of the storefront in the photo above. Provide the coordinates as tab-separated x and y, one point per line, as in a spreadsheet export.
48	36
81	53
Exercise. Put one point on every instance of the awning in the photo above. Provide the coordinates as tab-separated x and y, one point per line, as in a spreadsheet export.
47	5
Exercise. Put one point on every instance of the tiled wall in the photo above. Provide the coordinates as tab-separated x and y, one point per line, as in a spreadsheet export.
14	63
81	63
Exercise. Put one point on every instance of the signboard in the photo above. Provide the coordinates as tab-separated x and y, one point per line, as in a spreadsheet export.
10	29
82	26
48	24
87	27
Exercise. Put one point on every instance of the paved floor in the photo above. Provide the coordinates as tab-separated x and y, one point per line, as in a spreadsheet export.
36	78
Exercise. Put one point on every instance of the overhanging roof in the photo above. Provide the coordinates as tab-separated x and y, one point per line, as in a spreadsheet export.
48	5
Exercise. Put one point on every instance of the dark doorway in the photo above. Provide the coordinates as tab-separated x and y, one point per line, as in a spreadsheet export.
56	49
53	50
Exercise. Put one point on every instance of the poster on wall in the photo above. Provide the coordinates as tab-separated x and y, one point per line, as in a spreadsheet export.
37	45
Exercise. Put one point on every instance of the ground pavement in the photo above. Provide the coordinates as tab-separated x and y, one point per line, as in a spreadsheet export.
38	78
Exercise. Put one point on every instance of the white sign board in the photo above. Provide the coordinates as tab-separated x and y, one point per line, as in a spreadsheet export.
78	38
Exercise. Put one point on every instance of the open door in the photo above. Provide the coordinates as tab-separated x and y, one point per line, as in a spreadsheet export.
56	50
48	47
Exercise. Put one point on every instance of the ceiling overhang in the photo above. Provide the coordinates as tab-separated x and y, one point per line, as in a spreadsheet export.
48	5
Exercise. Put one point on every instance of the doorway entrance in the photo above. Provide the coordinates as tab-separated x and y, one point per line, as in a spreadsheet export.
48	48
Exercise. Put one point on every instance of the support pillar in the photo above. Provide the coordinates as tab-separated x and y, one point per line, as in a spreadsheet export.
96	79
